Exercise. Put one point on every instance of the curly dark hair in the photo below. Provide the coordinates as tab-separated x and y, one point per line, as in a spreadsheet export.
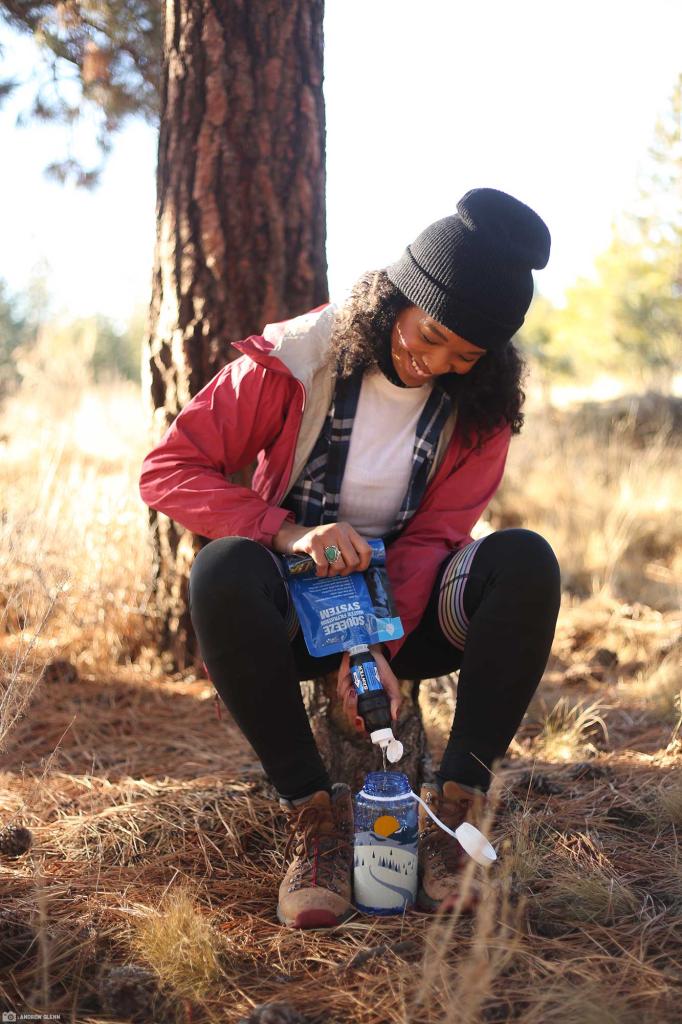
488	395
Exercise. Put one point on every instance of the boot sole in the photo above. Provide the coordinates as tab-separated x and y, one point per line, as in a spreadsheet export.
314	918
425	902
428	904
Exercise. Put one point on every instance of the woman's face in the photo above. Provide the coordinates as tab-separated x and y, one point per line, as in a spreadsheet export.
423	349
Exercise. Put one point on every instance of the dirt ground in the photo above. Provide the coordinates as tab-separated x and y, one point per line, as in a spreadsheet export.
149	891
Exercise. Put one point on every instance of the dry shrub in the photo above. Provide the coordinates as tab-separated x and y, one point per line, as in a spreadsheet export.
523	848
660	686
669	803
180	944
23	605
161	822
457	973
612	512
74	527
580	895
583	1000
437	706
569	729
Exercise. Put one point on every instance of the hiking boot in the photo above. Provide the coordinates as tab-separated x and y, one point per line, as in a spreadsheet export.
316	889
441	858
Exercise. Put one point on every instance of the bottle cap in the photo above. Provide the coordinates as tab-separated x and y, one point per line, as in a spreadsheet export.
475	844
386	739
394	750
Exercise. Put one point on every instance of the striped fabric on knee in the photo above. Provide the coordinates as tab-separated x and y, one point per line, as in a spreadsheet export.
452	618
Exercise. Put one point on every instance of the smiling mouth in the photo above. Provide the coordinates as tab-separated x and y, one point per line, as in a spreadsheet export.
416	368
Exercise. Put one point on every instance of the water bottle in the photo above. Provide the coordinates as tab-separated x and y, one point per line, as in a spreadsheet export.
373	704
385	845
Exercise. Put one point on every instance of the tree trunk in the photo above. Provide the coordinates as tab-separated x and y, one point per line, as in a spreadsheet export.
240	220
240	243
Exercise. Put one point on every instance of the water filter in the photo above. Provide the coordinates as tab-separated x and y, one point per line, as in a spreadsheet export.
373	704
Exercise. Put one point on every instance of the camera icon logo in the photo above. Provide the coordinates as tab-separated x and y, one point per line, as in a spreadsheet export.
9	1015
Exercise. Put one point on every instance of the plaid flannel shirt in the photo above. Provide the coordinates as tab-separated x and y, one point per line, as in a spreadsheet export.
314	498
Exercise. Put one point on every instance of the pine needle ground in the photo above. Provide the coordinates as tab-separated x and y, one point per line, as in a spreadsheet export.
157	847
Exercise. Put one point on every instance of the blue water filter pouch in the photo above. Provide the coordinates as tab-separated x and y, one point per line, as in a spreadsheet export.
340	612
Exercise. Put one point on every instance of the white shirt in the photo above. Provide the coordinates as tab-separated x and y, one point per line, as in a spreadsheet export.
380	453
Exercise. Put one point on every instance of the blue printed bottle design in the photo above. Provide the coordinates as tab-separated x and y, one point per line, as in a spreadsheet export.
385	848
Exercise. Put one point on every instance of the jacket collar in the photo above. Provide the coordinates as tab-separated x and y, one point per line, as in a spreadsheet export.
299	346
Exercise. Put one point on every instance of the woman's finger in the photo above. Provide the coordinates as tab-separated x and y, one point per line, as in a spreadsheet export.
349	560
317	547
344	677
364	551
350	708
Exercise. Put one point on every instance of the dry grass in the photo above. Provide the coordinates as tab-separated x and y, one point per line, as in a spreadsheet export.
613	512
566	731
157	844
74	540
181	946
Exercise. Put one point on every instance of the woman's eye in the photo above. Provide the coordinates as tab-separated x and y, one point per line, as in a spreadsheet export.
462	359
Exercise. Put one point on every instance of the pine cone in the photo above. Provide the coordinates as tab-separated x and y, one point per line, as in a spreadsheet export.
133	993
275	1013
15	840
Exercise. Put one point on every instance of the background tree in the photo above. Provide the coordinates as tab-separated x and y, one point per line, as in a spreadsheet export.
240	224
648	310
627	318
100	60
536	341
240	216
22	314
14	330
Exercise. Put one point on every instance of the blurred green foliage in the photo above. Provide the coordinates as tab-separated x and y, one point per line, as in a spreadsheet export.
627	318
100	61
14	331
32	341
117	353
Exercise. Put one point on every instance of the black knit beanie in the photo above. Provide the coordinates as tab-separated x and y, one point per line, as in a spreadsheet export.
472	271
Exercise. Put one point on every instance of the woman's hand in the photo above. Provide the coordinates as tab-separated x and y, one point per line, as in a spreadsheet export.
348	695
356	554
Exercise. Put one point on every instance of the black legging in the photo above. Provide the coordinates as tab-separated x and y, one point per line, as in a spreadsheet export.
238	603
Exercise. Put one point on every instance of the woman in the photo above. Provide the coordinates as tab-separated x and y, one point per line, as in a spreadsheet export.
391	417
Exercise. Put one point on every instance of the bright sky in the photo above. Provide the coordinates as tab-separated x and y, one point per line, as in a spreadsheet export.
553	102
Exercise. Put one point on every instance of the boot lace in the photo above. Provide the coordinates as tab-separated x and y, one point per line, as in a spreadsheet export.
317	850
437	842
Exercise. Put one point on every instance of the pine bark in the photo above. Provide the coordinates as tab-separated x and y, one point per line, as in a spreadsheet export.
240	243
240	221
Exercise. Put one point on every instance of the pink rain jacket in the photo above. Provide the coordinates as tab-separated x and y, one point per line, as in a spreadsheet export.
269	405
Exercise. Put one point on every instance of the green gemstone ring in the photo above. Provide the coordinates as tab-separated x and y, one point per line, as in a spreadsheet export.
332	553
